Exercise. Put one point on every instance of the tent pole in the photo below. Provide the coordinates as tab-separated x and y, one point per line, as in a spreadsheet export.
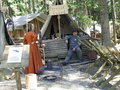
59	26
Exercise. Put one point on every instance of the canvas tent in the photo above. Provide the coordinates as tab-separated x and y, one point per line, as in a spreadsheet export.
67	24
55	29
20	22
56	47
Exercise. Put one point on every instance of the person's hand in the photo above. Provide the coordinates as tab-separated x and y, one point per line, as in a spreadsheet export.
32	43
66	41
43	45
73	49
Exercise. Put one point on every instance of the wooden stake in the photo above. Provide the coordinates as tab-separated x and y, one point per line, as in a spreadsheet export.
18	79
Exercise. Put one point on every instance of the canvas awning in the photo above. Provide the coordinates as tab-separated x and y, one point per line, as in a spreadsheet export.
22	20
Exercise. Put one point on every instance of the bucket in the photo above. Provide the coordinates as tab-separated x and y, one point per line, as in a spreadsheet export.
31	81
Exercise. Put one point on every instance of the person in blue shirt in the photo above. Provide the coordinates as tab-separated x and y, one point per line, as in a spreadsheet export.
74	47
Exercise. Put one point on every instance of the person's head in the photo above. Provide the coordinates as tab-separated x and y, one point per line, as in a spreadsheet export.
30	27
75	32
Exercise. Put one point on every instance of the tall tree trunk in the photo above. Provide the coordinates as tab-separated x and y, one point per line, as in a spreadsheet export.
29	6
104	22
33	5
113	19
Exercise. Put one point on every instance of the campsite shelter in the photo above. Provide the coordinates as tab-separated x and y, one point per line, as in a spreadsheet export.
37	19
55	29
55	46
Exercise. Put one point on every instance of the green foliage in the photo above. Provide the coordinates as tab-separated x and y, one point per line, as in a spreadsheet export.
86	11
117	5
21	7
84	21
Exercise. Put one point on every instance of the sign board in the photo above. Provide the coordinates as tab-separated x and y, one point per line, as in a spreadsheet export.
15	55
58	9
12	59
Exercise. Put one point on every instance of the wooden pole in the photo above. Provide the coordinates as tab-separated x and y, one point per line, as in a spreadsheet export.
18	79
59	26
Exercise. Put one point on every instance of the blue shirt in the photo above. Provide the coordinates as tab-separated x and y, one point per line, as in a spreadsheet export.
73	41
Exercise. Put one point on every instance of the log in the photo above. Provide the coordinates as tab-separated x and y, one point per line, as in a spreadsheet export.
110	78
114	86
99	70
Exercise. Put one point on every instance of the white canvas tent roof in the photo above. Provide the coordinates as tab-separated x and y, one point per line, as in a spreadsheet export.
19	21
22	20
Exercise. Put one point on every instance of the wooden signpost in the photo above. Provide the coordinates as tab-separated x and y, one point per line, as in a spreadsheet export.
15	56
58	10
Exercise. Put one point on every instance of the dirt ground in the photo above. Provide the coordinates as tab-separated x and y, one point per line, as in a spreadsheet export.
74	78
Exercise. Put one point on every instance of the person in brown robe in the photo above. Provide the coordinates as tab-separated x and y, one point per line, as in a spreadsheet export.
35	60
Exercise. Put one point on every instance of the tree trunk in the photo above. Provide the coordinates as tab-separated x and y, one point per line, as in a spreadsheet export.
104	22
114	20
33	5
29	6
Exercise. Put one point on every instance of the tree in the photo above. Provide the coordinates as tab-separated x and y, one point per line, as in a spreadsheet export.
33	5
113	19
29	6
104	20
79	9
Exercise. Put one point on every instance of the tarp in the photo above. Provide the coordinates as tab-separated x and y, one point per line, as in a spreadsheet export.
22	20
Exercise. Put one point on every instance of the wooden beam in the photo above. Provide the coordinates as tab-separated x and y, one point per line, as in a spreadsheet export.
40	19
43	29
59	26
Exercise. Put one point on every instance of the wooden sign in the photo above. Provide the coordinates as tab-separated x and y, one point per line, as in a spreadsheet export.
21	60
15	55
58	10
